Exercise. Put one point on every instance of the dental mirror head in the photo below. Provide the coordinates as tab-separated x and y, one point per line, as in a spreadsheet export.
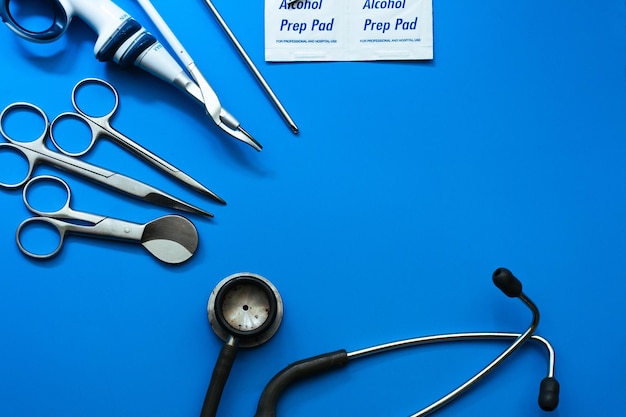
246	307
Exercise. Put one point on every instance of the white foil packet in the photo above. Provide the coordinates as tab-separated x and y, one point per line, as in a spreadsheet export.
348	30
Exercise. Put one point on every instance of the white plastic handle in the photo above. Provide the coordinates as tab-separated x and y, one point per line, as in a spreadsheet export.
167	33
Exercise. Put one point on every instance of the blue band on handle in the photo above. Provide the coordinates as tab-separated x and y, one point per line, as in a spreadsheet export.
52	33
145	41
121	35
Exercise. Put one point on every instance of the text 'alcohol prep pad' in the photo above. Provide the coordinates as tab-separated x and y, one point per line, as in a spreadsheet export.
348	30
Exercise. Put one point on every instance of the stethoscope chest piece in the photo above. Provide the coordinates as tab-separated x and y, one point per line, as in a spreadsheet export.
245	306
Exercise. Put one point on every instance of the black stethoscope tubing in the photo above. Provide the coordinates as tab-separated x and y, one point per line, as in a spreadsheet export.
244	310
307	368
502	278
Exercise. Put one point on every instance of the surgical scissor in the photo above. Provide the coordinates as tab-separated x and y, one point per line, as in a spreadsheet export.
35	152
100	126
123	40
172	239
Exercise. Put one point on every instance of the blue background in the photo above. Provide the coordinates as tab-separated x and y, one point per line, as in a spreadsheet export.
409	184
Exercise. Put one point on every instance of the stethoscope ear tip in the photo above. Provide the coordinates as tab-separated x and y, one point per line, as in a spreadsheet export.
507	282
549	394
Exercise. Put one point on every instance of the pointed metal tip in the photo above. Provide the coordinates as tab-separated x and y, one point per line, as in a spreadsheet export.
193	209
205	191
252	141
172	202
206	213
218	198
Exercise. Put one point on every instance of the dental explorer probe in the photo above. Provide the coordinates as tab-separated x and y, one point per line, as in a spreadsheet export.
281	109
202	92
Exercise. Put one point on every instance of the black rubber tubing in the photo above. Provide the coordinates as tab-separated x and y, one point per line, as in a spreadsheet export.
218	380
295	372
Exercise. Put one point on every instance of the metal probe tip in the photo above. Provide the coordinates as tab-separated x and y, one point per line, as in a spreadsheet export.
253	142
294	128
268	90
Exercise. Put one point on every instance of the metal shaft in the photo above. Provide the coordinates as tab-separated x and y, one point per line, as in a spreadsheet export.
252	67
487	369
454	337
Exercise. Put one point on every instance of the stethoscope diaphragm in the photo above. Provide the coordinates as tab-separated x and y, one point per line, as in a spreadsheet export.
245	306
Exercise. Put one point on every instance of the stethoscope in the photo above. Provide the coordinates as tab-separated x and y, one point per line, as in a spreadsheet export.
246	310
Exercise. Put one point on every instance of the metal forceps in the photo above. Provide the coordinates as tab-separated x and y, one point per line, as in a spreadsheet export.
100	126
123	40
201	90
172	239
35	152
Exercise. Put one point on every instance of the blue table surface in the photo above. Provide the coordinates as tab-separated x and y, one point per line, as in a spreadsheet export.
409	183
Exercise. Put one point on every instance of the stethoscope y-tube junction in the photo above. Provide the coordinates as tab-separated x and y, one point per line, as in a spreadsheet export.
503	279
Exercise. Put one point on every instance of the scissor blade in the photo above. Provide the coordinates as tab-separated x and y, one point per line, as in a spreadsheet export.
169	201
101	126
119	182
150	194
181	176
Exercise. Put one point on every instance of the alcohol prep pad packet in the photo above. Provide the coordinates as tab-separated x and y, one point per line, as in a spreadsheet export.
348	30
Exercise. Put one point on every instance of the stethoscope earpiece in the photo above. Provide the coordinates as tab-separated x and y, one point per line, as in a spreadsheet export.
507	282
549	393
504	280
